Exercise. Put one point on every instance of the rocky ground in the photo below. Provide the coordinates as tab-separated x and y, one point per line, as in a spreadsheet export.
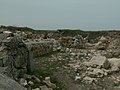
83	72
93	68
78	61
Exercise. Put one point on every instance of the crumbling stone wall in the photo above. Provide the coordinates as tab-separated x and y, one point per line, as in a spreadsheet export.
40	48
13	57
37	49
17	57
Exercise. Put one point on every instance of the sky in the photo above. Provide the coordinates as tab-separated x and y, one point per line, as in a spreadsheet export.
61	14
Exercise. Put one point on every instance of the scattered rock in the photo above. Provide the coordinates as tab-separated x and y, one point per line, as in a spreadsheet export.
77	78
36	89
26	76
113	49
96	61
23	82
44	87
89	79
36	79
31	83
95	73
107	64
115	64
102	44
7	83
48	82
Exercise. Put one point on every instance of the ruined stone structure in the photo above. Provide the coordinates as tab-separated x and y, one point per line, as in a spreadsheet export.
17	57
13	57
36	49
40	48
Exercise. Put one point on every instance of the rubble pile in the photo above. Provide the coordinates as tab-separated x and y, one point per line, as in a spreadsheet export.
113	48
31	82
13	57
14	60
73	42
89	66
111	44
102	43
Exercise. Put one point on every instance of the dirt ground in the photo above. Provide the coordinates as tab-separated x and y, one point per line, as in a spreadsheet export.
64	77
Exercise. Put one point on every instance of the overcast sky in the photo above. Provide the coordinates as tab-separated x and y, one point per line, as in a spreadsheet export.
54	14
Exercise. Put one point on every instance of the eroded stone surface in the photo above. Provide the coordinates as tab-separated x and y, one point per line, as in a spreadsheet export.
7	83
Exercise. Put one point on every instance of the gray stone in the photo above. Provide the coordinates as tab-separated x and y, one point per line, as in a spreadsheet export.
40	48
95	73
77	77
36	89
106	64
26	76
115	64
44	87
113	49
14	56
31	83
36	79
89	79
48	82
30	66
3	70
96	60
23	82
102	44
2	36
7	83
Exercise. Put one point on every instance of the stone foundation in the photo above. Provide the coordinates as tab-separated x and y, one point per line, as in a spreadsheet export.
14	57
40	48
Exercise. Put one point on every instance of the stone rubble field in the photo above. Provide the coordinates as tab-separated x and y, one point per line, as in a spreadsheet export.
59	60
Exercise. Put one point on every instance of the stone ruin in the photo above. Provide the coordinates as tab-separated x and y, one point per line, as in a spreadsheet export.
16	58
13	62
13	57
40	48
91	62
